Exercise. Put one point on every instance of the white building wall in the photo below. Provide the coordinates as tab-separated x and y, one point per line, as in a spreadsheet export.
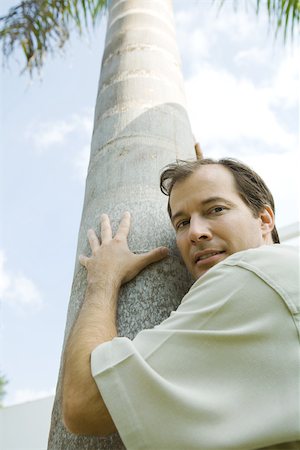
26	426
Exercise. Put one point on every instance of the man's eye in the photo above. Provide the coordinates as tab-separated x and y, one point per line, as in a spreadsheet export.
182	224
217	209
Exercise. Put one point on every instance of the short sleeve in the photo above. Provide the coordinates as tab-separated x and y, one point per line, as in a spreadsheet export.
208	376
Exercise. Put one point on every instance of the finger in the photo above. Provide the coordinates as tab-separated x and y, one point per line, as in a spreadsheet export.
106	233
198	151
83	260
124	226
154	256
93	239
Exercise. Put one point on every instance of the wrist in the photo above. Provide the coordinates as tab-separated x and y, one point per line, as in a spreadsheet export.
107	289
103	282
101	297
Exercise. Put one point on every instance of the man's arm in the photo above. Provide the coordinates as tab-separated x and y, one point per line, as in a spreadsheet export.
110	265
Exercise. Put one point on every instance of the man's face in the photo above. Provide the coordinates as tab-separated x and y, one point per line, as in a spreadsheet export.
212	221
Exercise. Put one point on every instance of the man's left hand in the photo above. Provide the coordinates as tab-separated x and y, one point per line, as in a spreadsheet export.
111	259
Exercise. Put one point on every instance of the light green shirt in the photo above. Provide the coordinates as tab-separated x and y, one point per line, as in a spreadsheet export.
222	372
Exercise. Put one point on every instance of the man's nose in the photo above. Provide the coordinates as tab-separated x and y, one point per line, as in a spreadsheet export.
199	230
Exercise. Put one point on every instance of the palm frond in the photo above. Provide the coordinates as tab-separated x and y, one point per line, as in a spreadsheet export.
40	27
285	13
3	383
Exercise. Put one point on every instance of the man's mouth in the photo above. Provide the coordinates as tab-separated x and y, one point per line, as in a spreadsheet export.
206	254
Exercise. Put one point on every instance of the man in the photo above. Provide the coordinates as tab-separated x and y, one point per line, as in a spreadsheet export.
222	371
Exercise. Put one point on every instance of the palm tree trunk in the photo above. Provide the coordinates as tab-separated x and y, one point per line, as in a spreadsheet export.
140	125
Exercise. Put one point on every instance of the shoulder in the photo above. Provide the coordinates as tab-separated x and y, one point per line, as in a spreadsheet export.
267	256
249	290
275	266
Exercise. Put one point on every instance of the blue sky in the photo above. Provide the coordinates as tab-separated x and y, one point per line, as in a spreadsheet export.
242	91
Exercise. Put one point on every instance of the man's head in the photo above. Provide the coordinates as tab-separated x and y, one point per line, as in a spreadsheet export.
217	208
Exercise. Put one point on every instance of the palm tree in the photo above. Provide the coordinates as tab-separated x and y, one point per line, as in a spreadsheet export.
140	125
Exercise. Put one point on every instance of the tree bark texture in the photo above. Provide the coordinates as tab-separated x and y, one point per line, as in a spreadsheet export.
140	125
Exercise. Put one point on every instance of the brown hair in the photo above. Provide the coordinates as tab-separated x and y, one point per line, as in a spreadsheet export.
251	187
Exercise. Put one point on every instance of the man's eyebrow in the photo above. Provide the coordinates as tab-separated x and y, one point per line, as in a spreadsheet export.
178	214
216	199
204	203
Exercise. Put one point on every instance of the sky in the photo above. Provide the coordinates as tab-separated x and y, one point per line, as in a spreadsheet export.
242	88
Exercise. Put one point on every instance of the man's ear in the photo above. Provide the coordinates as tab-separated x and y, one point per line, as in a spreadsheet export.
267	218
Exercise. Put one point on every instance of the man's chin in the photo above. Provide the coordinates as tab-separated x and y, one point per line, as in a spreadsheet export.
196	276
196	273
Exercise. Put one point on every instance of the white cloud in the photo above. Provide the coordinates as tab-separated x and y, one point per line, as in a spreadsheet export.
86	122
226	109
81	162
253	55
280	172
4	277
192	39
206	31
27	395
241	23
49	134
286	82
72	136
17	290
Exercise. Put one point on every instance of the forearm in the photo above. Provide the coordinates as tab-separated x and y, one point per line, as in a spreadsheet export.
96	324
110	265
